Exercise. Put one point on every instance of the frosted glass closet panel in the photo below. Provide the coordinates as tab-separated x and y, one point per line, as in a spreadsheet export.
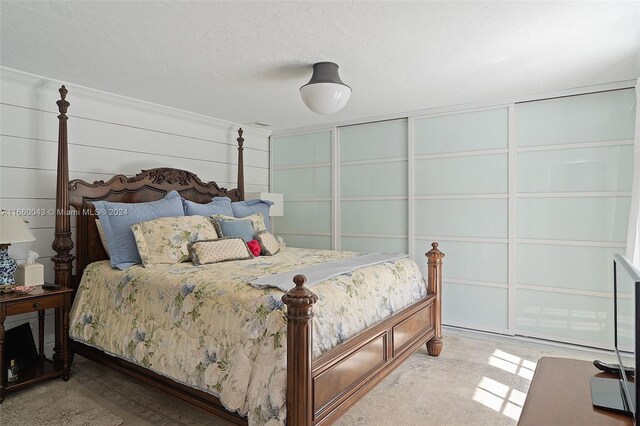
306	190
566	317
385	245
597	117
573	209
478	174
482	307
373	186
603	219
371	141
471	131
570	267
471	261
460	199
308	182
312	148
306	218
607	168
373	180
475	218
384	217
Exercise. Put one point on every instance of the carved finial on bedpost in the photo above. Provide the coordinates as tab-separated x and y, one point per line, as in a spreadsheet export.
240	164
62	243
299	301
434	281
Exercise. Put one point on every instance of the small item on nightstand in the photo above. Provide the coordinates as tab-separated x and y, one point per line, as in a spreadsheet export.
48	286
12	372
30	273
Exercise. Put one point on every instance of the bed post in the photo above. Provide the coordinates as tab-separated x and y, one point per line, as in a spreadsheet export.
240	164
434	281
299	301
62	243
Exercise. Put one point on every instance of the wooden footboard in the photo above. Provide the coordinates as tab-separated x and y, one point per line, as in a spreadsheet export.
320	391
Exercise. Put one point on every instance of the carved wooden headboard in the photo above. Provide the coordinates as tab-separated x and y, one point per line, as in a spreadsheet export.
148	185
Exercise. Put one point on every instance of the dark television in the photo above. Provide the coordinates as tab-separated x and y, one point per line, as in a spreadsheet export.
619	394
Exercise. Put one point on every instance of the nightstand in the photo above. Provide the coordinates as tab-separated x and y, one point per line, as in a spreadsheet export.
37	301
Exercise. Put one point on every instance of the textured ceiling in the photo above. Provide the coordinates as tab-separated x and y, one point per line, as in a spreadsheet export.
245	61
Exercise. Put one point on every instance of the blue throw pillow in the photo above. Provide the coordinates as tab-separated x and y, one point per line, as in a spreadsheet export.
117	219
235	228
249	207
219	205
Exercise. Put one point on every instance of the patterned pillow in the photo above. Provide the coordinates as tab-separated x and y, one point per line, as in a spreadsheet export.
220	250
268	243
256	219
165	240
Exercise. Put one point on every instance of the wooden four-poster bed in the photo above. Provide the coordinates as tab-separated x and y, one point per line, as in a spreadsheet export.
318	390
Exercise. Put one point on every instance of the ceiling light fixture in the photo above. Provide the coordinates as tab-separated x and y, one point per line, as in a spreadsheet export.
325	93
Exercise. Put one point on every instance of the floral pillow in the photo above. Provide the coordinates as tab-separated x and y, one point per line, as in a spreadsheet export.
220	250
166	240
256	219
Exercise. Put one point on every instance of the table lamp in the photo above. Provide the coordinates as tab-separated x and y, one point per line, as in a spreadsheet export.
277	208
13	229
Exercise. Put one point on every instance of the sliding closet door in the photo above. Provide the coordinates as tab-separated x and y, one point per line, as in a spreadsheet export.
301	171
575	166
373	186
460	177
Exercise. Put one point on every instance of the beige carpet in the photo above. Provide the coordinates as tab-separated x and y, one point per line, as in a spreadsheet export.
51	403
478	380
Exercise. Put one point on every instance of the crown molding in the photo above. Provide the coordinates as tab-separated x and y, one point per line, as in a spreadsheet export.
52	85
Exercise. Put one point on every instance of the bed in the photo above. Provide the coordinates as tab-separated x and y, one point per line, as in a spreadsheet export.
324	372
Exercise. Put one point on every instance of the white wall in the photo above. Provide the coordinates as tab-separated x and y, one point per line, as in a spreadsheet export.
108	134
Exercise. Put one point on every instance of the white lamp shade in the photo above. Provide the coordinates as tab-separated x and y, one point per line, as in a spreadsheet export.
13	229
325	98
277	209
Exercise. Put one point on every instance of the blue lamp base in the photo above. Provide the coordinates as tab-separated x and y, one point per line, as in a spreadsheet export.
8	266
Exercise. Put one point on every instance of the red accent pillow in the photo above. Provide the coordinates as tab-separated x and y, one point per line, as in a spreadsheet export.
254	247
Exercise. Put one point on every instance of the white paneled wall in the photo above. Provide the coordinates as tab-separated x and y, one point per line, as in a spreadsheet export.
529	201
108	134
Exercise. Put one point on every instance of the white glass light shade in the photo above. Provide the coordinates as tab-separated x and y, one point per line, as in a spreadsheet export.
13	229
325	93
325	98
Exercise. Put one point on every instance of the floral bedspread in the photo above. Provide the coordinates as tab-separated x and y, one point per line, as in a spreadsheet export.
206	327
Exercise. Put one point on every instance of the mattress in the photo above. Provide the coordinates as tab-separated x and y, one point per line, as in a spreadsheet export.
206	327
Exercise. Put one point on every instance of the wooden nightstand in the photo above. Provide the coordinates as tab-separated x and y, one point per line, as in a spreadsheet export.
38	300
